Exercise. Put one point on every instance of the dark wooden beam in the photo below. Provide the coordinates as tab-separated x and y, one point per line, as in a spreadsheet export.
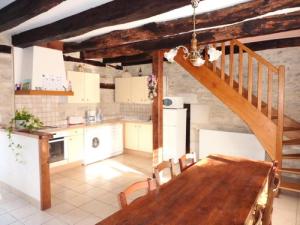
90	62
5	49
111	13
124	59
107	86
251	28
153	31
21	10
157	108
135	63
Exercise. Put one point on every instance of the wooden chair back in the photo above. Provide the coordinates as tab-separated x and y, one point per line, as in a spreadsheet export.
187	161
148	185
162	167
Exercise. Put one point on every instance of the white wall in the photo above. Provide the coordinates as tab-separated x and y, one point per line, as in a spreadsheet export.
25	177
229	143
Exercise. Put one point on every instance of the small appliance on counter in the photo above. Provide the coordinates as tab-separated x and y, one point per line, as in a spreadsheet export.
91	116
73	120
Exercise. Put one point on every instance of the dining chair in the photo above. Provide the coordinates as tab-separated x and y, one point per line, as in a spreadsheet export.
160	169
148	185
187	161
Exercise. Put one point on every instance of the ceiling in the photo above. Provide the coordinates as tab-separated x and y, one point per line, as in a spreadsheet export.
71	7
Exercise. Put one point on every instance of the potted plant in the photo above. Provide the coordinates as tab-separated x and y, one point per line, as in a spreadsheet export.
23	120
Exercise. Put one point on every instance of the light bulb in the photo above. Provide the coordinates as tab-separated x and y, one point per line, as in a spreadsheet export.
198	62
214	54
170	55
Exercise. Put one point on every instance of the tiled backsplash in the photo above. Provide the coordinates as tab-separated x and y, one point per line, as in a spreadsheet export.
136	111
52	110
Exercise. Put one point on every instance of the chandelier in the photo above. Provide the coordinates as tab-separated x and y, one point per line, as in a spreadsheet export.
194	55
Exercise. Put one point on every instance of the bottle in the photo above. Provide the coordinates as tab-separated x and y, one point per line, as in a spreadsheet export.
70	86
140	72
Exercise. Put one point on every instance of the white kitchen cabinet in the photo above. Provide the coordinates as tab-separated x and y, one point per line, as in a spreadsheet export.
138	136
75	145
123	90
132	90
85	87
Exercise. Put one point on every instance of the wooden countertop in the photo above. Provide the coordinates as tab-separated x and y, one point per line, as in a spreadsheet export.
33	134
217	190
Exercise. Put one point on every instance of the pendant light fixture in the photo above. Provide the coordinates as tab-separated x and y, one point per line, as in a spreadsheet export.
194	55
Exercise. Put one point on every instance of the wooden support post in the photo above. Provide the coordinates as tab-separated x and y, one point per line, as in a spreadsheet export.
280	107
45	173
157	108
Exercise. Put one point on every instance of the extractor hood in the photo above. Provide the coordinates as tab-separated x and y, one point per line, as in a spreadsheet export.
43	68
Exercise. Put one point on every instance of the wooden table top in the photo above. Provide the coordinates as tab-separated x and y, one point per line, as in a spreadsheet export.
217	190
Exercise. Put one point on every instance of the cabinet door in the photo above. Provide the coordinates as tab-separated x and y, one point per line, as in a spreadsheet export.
117	134
123	90
75	145
139	92
131	136
145	138
77	80
92	88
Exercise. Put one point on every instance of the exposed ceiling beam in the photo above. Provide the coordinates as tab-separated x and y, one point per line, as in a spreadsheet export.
153	31
111	13
21	10
5	49
90	62
126	59
251	28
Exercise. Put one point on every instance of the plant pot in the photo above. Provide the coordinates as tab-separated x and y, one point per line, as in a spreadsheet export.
18	124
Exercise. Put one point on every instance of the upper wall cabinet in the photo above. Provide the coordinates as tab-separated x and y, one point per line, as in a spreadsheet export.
85	87
132	90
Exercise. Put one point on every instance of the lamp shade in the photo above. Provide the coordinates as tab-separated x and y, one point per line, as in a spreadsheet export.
170	55
214	54
198	62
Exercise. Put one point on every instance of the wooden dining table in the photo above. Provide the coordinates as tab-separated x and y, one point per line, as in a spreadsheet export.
218	190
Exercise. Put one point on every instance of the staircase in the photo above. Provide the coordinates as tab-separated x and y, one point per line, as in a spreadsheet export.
256	95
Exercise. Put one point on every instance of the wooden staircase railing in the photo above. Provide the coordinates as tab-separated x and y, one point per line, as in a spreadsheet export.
254	89
253	96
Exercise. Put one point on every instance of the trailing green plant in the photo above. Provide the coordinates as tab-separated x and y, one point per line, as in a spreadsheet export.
28	122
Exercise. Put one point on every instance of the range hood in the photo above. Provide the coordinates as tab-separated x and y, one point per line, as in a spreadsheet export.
43	68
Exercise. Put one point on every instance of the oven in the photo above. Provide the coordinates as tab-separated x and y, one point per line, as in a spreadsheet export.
57	149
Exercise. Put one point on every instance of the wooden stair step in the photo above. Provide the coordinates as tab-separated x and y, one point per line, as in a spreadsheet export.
291	142
291	129
291	156
290	186
290	170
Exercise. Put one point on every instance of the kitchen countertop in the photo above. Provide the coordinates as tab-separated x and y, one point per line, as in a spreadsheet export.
96	124
47	132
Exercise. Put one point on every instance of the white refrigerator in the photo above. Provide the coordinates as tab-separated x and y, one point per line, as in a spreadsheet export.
174	133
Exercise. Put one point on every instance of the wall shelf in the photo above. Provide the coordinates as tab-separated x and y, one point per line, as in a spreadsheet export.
35	92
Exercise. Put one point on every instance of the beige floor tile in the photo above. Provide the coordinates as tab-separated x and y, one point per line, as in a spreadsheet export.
66	194
83	188
109	198
79	200
74	216
105	210
93	206
60	209
24	212
55	222
91	220
6	219
17	223
37	218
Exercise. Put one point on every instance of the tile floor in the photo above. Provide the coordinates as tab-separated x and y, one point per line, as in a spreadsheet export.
86	195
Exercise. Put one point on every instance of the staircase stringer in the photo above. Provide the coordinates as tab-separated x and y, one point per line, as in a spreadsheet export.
264	129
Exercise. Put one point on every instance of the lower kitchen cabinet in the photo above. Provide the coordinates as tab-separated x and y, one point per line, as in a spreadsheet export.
75	145
138	136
